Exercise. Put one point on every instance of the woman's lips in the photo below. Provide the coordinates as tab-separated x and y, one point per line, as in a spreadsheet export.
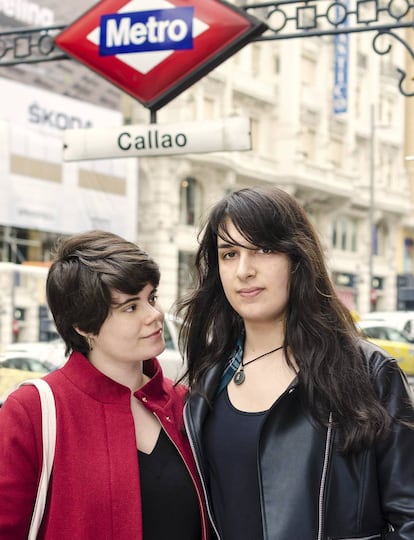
157	333
250	292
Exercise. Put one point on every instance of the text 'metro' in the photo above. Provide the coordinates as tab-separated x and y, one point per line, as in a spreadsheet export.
155	30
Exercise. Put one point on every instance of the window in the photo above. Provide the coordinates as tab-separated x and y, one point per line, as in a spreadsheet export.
185	272
337	152
254	126
255	52
380	239
190	201
362	60
308	70
408	255
276	64
209	108
309	144
345	234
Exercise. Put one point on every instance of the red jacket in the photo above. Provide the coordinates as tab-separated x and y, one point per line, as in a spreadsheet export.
94	491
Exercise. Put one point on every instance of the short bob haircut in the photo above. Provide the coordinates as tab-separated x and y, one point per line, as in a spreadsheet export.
86	268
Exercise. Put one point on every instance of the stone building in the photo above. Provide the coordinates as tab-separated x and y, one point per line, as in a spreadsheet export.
346	168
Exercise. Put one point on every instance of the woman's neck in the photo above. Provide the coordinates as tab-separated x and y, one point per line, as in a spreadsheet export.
130	374
261	338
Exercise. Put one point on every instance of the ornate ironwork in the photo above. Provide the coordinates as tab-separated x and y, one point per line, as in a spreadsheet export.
288	19
29	45
376	44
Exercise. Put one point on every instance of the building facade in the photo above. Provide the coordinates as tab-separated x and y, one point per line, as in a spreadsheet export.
335	138
346	168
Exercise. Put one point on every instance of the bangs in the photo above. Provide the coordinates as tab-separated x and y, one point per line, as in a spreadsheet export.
133	278
257	221
223	233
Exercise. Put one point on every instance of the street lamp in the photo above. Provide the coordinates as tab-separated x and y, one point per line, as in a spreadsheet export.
373	128
371	205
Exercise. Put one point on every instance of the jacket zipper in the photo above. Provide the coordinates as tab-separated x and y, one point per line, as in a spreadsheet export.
322	488
200	498
203	484
323	479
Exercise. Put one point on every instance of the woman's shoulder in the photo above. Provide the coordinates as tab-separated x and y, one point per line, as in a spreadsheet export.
387	376
22	405
176	390
375	357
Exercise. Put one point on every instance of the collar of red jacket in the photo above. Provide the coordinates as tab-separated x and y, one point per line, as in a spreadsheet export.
102	388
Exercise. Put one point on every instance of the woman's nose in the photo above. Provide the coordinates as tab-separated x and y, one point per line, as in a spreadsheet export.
154	313
245	268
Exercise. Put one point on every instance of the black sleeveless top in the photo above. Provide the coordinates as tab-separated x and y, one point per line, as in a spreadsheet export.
231	439
170	506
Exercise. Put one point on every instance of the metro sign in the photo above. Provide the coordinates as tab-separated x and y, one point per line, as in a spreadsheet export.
155	49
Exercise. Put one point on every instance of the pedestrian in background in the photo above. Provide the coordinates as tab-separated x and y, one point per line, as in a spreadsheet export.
302	430
123	468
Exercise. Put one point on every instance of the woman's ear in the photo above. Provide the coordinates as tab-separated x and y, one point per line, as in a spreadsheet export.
80	332
87	335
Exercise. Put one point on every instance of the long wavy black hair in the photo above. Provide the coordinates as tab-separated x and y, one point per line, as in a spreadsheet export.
319	329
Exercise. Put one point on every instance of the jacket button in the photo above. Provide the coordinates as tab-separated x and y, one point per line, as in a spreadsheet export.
144	399
168	419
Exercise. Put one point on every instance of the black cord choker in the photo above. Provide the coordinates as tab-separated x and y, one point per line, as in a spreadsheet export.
240	377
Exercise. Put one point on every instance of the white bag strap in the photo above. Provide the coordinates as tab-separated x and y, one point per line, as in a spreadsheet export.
47	402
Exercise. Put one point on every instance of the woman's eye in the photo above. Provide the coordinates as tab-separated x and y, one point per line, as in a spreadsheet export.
131	308
265	251
153	299
229	255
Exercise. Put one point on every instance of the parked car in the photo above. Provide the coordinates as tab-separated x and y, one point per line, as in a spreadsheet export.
401	320
171	360
10	378
391	340
26	363
36	359
51	352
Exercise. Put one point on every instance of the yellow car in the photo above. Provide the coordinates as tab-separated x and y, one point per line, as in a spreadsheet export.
10	378
391	340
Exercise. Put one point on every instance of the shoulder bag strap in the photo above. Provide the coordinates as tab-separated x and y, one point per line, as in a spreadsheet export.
47	402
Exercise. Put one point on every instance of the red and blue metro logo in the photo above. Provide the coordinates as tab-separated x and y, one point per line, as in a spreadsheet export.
156	30
155	49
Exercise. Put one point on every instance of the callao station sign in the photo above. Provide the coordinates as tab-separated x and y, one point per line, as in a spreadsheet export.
155	49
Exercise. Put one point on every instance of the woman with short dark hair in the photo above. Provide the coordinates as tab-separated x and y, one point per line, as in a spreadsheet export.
123	468
302	430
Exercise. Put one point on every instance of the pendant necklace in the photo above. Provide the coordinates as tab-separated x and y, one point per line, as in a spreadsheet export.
240	377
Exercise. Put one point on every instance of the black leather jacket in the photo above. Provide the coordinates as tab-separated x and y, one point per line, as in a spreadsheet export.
309	491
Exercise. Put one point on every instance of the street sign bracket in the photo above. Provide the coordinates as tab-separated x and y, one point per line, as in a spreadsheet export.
285	19
288	19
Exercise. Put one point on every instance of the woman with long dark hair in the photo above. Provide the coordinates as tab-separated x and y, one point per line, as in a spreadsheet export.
301	429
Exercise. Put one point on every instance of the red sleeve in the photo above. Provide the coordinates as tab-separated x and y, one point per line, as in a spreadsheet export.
20	461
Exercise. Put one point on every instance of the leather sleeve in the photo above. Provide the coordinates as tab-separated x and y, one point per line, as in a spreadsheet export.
395	453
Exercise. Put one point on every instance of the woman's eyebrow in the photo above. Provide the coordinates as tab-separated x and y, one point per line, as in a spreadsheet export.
226	245
229	245
121	304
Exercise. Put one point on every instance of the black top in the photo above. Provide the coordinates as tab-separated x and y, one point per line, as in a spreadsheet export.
231	438
170	506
